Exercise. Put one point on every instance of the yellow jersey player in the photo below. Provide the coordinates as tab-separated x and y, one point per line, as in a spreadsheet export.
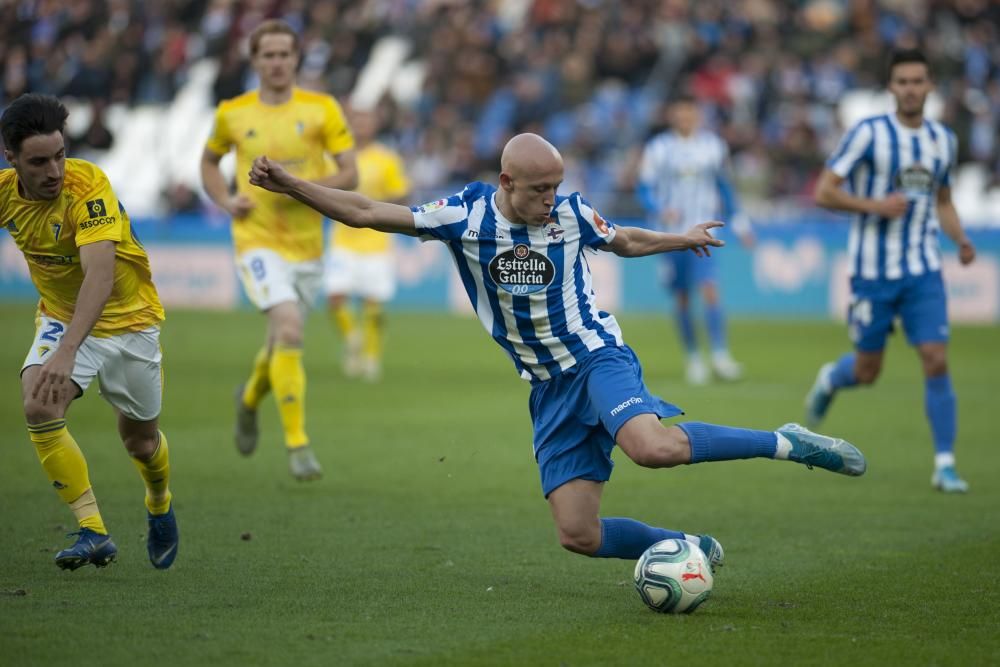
278	243
360	261
98	316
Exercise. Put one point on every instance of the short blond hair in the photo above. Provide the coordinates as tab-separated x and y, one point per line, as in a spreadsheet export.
272	27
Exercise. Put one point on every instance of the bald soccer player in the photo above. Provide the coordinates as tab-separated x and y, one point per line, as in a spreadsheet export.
519	250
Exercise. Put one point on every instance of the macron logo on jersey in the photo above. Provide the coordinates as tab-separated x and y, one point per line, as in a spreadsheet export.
635	400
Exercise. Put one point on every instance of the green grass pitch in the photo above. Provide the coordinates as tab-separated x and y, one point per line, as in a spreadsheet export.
428	541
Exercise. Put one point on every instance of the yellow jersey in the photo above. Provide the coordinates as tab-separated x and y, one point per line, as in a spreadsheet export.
381	177
299	134
50	234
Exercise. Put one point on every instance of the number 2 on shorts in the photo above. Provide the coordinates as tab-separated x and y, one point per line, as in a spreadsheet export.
53	332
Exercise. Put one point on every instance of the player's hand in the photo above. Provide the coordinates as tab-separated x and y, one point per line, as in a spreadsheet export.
54	381
700	238
966	252
892	206
270	175
239	206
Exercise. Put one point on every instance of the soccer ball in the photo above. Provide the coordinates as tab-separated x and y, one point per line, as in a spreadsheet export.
673	577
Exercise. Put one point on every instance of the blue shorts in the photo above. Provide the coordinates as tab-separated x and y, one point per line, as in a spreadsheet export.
685	271
919	301
576	415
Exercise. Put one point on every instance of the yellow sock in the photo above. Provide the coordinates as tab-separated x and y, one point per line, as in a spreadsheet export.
66	467
259	383
343	319
288	379
374	327
156	475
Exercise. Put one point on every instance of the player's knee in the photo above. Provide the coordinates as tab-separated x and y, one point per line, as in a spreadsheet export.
288	334
867	373
141	446
658	448
935	362
580	539
36	412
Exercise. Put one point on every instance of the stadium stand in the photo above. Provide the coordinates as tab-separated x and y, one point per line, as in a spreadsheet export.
454	78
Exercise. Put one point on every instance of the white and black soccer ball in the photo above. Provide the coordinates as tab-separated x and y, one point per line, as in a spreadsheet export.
673	577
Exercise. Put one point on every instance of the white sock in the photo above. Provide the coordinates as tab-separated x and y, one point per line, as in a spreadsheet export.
944	459
784	447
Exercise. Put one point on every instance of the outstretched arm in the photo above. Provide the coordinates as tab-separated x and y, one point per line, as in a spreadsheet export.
350	208
638	242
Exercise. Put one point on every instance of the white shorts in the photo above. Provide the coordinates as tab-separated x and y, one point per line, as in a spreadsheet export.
367	275
270	279
127	366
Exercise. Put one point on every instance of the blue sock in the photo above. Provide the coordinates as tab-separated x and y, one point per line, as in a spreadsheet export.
843	372
716	323
685	327
628	538
939	404
724	443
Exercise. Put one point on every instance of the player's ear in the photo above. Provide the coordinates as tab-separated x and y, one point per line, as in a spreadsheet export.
506	182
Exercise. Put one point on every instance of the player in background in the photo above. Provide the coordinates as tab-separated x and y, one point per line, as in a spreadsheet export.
898	170
684	179
98	316
278	243
360	263
519	251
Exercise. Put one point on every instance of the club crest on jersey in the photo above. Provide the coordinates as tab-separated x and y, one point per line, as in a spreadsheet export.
521	270
915	180
553	232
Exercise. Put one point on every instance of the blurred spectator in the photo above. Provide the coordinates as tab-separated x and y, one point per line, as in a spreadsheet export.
588	73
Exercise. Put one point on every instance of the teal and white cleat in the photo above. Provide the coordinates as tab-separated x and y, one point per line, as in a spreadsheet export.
822	451
945	479
713	550
90	549
820	397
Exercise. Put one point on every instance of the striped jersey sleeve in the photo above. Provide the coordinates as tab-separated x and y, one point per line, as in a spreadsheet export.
855	147
595	231
441	220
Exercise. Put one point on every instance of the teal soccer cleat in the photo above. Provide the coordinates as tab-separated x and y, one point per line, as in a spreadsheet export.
947	480
90	549
713	550
161	542
820	397
822	451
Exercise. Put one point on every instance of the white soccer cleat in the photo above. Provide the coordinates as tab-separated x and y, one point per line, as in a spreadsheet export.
725	367
697	372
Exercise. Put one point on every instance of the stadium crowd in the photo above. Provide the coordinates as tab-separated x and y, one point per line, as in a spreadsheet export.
589	74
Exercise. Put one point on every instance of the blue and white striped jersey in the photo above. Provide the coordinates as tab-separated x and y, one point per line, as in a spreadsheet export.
879	156
688	175
530	285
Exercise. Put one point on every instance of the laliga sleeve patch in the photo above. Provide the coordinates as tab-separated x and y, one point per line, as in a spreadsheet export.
96	208
433	206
